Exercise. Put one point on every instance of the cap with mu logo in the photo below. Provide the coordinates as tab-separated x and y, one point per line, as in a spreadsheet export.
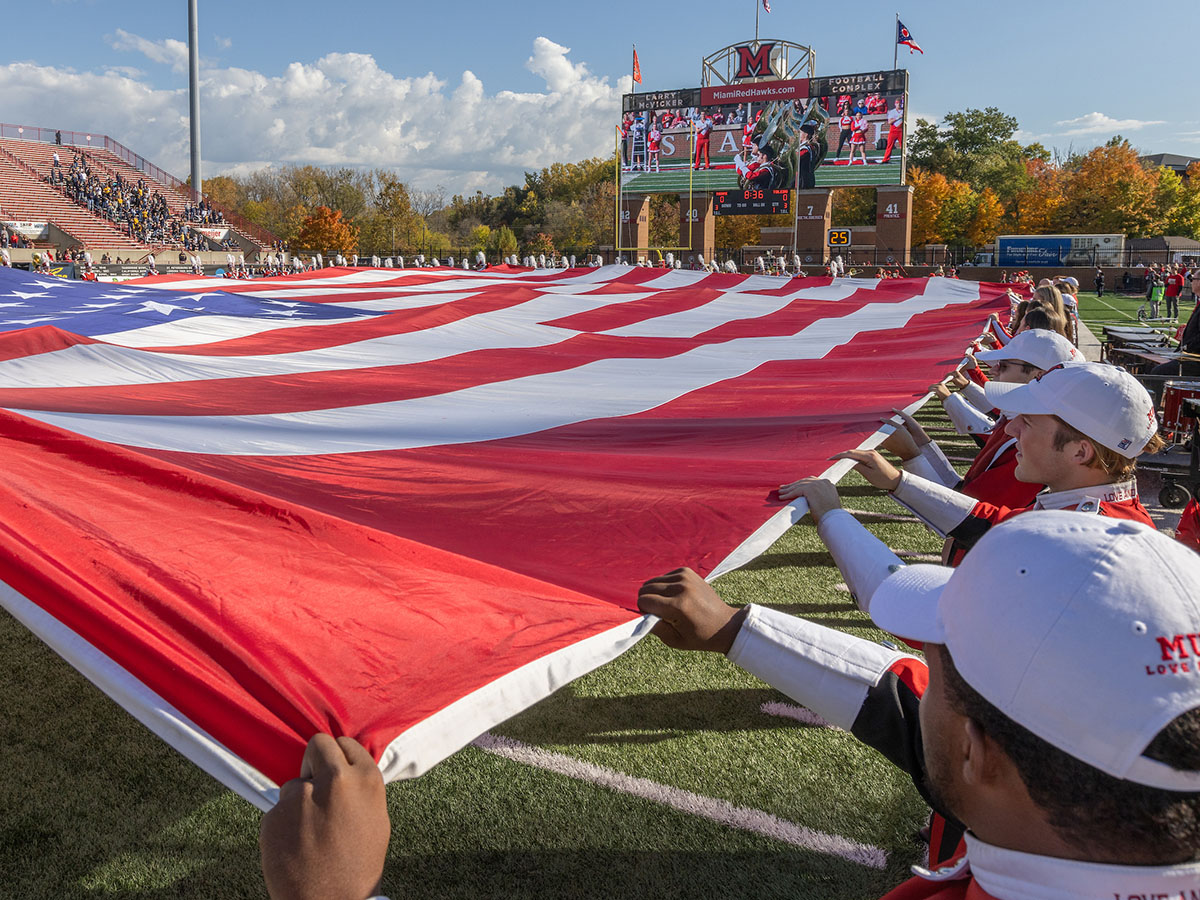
1083	629
1104	402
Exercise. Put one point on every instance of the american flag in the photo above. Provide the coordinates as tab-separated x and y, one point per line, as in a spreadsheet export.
404	505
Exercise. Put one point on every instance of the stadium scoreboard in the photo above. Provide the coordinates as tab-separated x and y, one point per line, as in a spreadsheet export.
752	201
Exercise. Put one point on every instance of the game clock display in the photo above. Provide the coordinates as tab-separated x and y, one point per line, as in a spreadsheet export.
751	202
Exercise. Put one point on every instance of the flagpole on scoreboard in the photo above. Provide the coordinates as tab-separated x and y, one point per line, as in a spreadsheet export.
756	2
896	43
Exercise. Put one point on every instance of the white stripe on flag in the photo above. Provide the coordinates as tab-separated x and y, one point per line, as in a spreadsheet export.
93	365
599	389
728	308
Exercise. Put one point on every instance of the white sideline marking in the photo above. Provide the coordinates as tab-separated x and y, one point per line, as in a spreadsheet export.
720	811
799	713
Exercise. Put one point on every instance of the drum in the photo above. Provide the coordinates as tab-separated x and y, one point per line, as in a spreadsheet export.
1174	417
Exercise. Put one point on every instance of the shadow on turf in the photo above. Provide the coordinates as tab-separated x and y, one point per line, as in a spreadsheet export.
94	802
614	874
647	718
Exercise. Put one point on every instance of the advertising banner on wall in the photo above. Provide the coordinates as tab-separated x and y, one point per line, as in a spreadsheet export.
33	231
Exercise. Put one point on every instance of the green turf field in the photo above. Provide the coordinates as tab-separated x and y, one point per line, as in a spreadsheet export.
93	805
1119	309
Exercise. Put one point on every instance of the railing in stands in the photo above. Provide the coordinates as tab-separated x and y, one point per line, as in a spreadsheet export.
119	150
20	163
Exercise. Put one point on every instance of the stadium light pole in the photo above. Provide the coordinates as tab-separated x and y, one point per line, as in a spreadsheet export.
194	92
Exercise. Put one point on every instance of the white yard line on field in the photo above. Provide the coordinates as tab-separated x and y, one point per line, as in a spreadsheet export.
720	811
799	713
1115	309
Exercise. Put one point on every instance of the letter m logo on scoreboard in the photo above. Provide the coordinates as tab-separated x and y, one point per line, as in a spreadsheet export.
754	63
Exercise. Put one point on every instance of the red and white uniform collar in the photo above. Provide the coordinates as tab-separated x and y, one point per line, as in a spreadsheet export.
1087	499
1011	875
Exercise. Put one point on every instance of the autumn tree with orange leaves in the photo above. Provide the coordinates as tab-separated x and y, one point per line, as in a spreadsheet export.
324	231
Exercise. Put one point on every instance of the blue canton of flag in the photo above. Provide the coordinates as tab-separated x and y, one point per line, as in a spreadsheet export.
93	309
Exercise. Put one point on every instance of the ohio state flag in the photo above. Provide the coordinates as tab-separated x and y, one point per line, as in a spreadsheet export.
905	38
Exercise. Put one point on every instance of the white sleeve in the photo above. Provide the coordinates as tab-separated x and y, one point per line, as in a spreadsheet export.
932	465
975	395
826	670
966	418
863	559
921	467
939	507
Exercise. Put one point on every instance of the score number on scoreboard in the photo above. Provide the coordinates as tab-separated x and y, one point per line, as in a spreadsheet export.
754	201
839	237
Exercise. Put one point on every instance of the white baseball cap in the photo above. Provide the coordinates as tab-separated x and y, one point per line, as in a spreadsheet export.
1103	402
1083	629
1038	347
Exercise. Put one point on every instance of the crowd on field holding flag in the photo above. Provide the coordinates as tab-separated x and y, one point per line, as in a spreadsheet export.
1042	685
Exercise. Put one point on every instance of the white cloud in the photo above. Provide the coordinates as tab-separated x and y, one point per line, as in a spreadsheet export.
342	109
223	42
167	51
1099	123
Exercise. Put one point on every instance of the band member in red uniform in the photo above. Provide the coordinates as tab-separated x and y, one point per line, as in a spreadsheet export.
704	127
992	475
1030	722
895	117
1079	429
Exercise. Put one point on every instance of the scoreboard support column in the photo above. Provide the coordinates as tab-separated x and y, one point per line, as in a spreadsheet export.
635	223
814	216
893	224
697	225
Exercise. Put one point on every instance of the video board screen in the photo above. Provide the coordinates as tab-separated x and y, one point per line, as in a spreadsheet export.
832	131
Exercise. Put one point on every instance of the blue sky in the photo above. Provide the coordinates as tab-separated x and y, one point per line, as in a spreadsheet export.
470	94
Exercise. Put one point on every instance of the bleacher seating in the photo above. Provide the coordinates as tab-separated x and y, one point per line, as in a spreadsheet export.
21	200
24	196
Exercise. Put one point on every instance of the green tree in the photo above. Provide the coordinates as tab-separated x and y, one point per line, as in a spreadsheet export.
854	206
481	235
502	240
